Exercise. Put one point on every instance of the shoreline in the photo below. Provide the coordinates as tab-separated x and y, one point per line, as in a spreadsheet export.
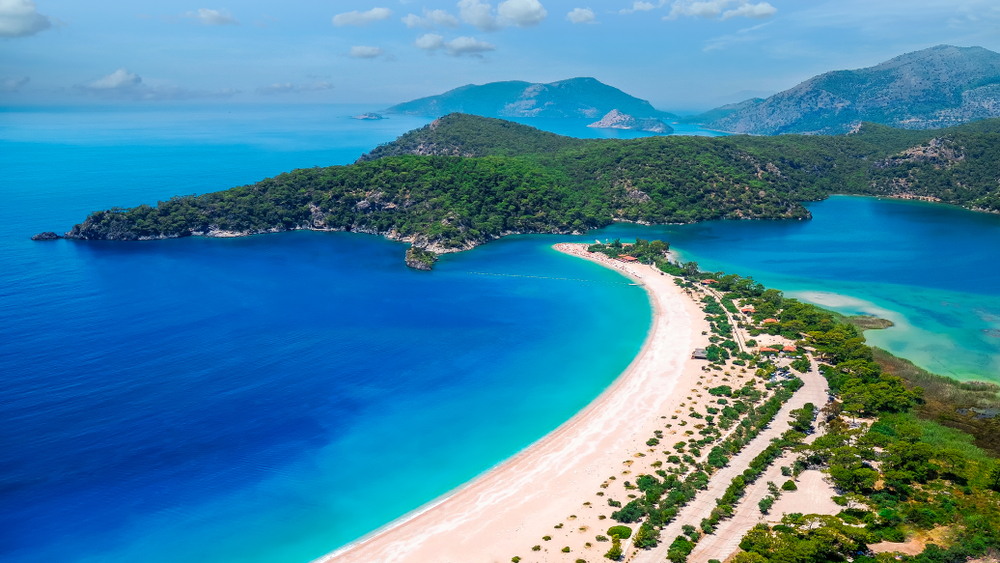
508	508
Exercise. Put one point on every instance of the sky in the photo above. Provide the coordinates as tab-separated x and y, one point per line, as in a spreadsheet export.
679	54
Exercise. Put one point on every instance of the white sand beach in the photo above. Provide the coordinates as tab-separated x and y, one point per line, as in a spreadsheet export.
554	487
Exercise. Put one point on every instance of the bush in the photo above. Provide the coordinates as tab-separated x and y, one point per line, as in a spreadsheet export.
765	504
631	512
789	485
615	553
536	548
623	532
565	549
721	391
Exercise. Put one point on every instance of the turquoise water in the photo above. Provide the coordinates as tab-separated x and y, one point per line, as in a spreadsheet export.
271	398
267	398
932	269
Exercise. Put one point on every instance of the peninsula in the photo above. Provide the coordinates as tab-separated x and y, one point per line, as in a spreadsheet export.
463	180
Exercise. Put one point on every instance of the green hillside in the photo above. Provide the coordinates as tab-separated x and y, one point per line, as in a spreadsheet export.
465	180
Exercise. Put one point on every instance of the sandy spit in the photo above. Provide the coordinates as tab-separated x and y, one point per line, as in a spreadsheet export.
558	479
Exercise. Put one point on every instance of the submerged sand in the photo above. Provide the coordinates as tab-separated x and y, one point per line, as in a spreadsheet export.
557	481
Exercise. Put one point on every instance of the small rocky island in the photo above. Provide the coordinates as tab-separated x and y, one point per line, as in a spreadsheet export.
47	235
369	116
615	119
420	259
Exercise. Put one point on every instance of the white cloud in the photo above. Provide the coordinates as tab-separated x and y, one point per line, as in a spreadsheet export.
361	18
467	46
19	18
213	17
478	14
581	15
363	52
637	6
456	47
429	42
522	13
118	79
715	8
289	88
430	19
124	85
755	11
13	84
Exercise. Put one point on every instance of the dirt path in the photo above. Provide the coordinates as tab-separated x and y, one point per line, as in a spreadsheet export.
747	515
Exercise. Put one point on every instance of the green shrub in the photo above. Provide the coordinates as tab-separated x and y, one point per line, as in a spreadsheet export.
789	485
602	538
623	532
565	549
615	553
536	548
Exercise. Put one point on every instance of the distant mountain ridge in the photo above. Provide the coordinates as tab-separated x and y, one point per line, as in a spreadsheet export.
933	88
576	97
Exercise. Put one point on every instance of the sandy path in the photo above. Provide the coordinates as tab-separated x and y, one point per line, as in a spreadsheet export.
507	510
727	537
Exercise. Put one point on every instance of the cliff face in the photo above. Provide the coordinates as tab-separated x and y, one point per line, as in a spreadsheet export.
933	88
576	97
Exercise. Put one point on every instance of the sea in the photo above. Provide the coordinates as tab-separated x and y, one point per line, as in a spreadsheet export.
272	398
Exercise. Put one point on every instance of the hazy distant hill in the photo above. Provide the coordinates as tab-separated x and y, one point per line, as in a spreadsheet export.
937	87
576	97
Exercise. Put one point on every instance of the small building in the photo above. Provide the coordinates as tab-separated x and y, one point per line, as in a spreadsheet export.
699	354
767	350
748	310
708	282
628	258
789	349
770	321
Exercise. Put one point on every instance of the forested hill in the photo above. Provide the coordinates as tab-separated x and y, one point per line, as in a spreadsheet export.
459	134
510	178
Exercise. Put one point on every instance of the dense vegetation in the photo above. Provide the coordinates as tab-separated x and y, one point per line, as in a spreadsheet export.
898	473
509	178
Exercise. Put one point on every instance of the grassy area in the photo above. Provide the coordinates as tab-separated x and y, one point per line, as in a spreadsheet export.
949	402
868	322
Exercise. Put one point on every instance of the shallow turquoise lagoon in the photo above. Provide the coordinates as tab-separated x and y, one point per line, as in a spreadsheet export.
932	269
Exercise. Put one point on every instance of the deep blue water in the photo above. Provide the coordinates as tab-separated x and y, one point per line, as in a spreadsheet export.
268	398
271	398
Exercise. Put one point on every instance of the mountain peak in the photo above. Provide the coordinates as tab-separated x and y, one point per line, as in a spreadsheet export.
935	87
581	97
